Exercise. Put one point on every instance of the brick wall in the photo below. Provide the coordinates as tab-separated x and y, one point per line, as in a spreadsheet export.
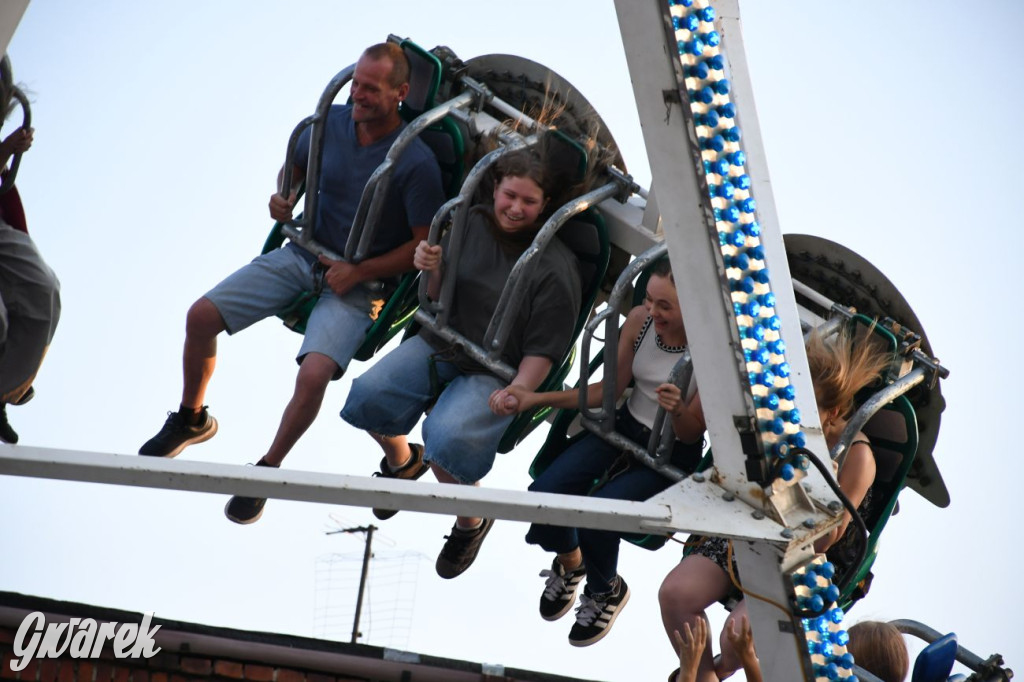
164	667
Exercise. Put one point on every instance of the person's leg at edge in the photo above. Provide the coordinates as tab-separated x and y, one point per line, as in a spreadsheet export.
461	434
390	398
396	449
463	522
202	325
729	662
573	472
691	587
315	373
600	548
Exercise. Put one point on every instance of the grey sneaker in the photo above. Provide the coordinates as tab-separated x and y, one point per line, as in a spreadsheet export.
410	471
559	590
597	613
176	435
460	550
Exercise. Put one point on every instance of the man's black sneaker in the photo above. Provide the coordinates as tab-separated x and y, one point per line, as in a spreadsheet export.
246	510
176	435
597	613
7	432
560	590
410	471
460	549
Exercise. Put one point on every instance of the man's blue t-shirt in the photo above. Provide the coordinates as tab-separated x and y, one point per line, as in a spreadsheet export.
414	195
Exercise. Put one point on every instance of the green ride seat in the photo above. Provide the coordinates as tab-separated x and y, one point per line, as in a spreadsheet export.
587	237
447	143
446	139
894	438
893	434
558	439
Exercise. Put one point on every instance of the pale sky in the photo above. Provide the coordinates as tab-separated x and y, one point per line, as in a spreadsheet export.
160	128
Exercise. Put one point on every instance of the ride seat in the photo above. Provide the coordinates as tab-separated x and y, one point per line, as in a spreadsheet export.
446	141
559	439
936	660
587	237
893	434
447	138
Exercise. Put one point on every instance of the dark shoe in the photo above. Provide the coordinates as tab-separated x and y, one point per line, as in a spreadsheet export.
246	510
176	435
7	433
597	613
560	590
25	397
461	549
409	471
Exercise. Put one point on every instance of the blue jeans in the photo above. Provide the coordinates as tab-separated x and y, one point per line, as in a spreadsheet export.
574	472
461	434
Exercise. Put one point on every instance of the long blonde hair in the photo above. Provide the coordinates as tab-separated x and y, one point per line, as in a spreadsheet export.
840	367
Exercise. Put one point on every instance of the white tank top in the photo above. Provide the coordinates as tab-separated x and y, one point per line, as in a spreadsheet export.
652	363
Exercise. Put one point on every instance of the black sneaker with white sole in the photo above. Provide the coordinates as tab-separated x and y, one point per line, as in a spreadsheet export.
560	589
246	510
597	613
177	434
460	549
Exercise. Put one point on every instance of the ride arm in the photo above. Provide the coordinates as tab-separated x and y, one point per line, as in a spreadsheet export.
855	477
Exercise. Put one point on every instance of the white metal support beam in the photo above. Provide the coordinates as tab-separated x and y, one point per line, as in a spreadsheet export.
11	12
688	506
668	45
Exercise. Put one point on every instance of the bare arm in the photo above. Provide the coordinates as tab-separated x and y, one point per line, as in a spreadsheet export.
569	399
532	370
429	259
687	415
342	276
17	142
856	476
690	645
743	642
282	202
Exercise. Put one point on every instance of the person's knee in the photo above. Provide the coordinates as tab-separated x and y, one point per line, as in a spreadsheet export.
677	594
670	593
315	372
442	475
546	484
203	320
